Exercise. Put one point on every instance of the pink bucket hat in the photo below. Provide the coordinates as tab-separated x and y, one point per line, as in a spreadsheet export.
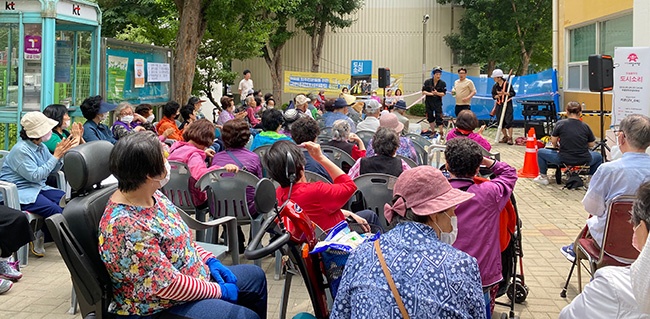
390	121
425	191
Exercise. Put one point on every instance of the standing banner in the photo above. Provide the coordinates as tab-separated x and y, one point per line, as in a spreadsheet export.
117	67
138	65
631	83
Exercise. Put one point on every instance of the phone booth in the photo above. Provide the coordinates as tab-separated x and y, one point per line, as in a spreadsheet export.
49	53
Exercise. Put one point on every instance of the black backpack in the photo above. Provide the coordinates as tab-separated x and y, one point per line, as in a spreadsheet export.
574	181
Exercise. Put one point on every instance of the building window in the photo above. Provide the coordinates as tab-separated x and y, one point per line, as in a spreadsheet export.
596	38
615	33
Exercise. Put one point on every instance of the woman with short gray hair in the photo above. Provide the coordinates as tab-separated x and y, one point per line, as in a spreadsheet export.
343	139
128	122
385	143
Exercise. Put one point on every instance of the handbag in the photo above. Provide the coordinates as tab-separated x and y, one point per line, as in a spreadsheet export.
391	283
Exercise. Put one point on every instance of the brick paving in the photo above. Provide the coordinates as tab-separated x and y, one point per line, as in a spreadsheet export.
551	218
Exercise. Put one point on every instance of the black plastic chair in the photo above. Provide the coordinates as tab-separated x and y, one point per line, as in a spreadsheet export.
408	161
376	190
365	136
315	177
338	157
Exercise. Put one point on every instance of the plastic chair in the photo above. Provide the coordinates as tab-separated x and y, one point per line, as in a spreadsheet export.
322	139
365	136
435	152
617	239
315	177
422	155
178	192
261	152
376	190
327	131
338	156
417	138
227	197
408	161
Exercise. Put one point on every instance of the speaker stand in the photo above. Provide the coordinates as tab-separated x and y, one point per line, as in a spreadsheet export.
602	144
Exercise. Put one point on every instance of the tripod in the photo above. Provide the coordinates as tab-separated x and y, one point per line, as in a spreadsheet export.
602	144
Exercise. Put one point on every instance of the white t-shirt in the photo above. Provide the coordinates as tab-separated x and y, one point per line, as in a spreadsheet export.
244	87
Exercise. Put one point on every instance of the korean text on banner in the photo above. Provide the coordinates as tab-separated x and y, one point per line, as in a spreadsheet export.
138	68
117	67
631	83
305	82
158	72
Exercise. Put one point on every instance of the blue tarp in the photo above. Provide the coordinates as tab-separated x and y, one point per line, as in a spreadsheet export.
539	86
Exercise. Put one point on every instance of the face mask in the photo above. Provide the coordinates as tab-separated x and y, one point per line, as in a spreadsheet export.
66	124
150	118
449	238
127	119
165	179
47	136
102	117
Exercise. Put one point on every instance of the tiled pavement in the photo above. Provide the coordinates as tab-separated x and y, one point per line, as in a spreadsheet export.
551	218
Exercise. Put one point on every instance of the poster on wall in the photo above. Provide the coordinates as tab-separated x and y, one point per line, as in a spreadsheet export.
117	67
33	45
63	61
158	72
138	72
631	82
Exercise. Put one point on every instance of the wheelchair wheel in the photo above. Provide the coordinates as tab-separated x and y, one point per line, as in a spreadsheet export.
517	291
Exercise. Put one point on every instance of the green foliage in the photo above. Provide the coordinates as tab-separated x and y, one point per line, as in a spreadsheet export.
13	135
417	110
285	106
317	15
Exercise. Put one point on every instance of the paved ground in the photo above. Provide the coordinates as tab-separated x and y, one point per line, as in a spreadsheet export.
551	218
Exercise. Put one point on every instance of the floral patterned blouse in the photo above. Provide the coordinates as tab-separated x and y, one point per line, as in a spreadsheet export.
144	249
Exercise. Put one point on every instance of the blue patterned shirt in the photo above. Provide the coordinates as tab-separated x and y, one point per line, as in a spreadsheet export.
434	279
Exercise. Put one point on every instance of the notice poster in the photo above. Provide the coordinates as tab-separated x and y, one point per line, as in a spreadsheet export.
63	61
158	72
33	45
631	83
117	67
138	66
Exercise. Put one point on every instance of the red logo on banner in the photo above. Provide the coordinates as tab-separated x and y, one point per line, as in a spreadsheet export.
633	58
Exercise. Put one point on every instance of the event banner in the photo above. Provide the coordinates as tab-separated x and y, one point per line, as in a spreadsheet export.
117	67
332	83
631	83
138	67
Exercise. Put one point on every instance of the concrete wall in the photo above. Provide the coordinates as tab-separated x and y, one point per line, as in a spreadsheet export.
388	32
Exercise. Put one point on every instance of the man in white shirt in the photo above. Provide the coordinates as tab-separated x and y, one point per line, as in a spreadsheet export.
371	123
620	177
464	91
245	85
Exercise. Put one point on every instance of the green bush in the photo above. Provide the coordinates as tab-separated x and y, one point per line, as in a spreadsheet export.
417	110
13	135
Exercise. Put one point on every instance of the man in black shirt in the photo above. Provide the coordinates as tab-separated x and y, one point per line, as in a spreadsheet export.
434	89
575	138
500	95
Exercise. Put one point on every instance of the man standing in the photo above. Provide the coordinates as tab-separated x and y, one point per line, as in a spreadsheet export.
620	177
434	89
245	85
575	139
463	90
399	111
371	123
500	95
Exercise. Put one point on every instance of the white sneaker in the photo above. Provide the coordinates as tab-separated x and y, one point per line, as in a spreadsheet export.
36	246
543	180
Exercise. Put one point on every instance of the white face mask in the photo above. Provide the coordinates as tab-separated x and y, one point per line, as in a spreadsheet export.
127	119
150	118
165	179
47	136
66	124
102	117
449	238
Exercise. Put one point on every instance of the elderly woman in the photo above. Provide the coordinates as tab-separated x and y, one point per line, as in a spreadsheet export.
228	113
170	113
433	279
59	113
466	123
406	147
272	121
620	292
127	122
250	108
479	217
385	143
322	202
95	110
196	103
28	165
154	264
290	116
199	137
349	142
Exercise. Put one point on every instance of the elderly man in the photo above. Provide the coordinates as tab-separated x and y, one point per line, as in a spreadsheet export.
339	113
574	139
371	123
399	110
620	177
302	104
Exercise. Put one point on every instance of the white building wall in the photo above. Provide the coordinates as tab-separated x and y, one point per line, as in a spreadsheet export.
388	32
641	23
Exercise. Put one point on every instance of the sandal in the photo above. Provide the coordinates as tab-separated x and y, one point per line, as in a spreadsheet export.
504	140
510	141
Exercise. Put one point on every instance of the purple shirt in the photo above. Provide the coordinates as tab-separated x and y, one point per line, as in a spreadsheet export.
472	136
478	220
250	161
224	117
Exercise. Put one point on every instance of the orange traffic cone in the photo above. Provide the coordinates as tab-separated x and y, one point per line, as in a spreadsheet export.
531	169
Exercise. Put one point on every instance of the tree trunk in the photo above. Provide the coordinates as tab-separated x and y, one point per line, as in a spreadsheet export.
490	67
192	26
273	59
525	62
317	41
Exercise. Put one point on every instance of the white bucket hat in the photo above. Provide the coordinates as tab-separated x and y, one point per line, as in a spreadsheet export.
36	124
